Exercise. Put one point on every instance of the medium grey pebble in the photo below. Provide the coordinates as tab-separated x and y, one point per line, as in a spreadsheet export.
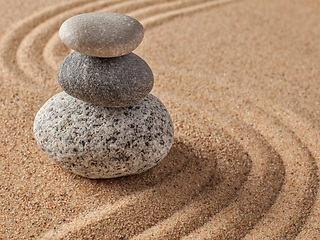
100	142
102	34
110	82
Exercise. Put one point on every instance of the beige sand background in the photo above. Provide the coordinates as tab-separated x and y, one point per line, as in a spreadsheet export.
241	81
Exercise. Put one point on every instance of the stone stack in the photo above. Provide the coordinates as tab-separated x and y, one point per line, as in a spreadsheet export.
106	123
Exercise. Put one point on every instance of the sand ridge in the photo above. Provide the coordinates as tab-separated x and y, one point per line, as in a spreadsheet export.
239	79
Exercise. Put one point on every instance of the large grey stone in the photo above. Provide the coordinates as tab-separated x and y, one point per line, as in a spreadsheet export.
110	82
102	34
100	142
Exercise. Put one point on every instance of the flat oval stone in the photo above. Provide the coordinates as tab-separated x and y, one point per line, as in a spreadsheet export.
110	82
100	142
102	34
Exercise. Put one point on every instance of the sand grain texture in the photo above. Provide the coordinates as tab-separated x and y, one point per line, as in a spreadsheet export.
240	79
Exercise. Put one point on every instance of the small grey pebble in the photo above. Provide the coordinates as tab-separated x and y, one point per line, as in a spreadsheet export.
110	82
100	142
102	34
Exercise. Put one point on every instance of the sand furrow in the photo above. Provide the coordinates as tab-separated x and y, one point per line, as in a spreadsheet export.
296	198
162	7
259	191
55	51
262	185
167	16
85	220
132	6
308	134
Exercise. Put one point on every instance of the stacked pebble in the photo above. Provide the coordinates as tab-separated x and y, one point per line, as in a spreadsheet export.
106	123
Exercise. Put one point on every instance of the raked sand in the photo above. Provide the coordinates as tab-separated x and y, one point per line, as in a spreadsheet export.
241	80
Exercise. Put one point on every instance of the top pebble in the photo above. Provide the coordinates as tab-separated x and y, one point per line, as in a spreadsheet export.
102	34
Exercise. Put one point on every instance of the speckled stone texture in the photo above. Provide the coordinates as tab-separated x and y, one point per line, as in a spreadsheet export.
100	142
102	34
110	82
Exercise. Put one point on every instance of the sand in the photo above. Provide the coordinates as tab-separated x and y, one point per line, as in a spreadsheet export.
240	79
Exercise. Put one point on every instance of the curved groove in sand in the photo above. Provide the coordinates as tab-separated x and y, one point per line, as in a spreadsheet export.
167	16
310	139
55	51
162	7
226	224
265	164
87	219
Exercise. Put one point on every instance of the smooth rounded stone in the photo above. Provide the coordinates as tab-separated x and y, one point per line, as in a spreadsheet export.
102	34
100	142
110	82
